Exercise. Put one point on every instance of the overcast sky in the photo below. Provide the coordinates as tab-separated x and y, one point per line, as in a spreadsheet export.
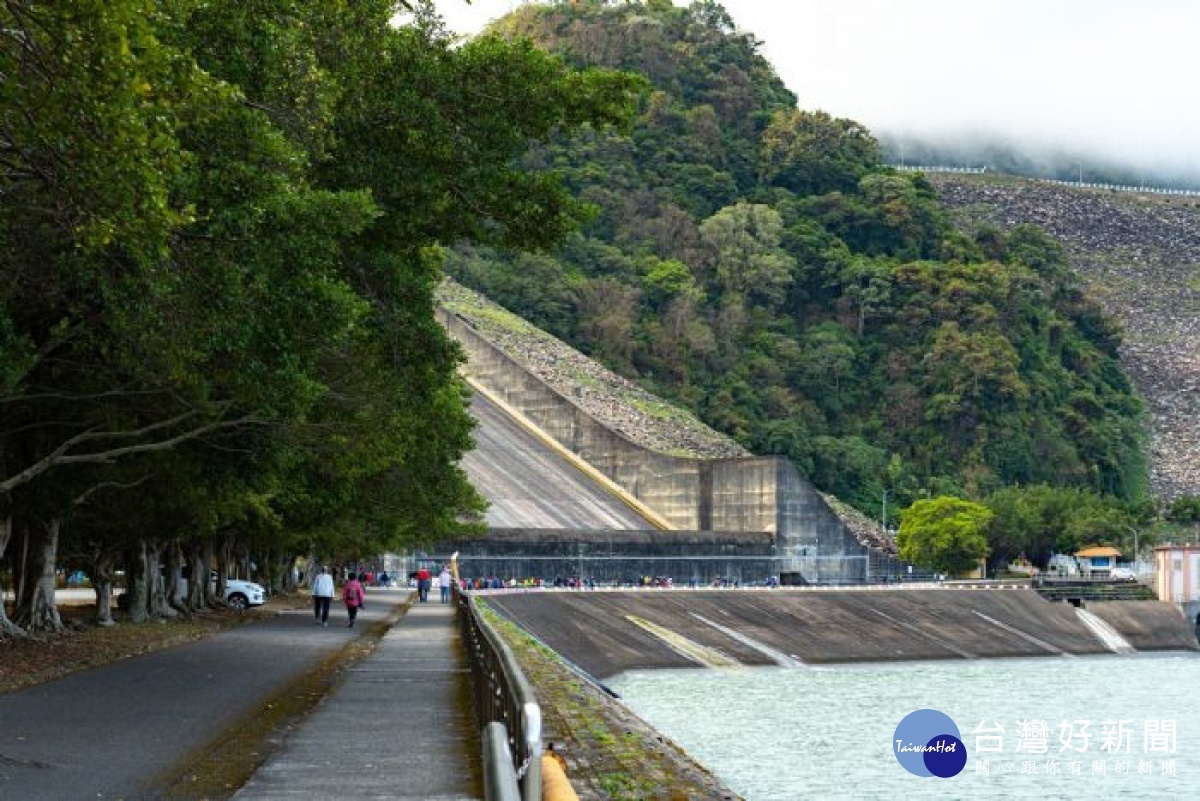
1117	78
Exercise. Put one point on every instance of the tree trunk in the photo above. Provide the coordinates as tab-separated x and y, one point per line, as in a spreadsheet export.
197	577
136	589
209	554
103	587
225	563
36	610
7	627
291	576
100	572
247	565
175	587
21	572
156	597
271	570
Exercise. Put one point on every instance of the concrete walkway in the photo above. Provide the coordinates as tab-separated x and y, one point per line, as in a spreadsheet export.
397	725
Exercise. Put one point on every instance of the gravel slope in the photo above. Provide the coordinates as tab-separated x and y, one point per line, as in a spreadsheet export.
618	403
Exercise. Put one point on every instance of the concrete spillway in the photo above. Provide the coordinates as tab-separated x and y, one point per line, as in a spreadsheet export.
1105	633
594	629
530	486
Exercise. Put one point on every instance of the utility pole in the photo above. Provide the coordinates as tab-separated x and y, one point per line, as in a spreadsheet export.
885	527
1134	531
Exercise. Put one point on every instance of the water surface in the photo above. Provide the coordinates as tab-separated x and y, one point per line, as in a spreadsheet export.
826	732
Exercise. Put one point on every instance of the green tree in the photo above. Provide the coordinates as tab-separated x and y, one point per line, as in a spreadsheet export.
945	534
747	260
811	153
1185	509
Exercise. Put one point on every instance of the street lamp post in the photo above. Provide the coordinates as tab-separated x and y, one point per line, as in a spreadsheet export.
1136	560
884	515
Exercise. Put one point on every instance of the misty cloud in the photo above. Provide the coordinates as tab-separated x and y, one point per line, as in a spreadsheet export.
1108	78
1103	77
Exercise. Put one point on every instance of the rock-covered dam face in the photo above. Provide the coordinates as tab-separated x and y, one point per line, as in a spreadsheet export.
605	633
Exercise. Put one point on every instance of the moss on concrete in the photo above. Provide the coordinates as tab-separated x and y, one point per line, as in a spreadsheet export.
219	769
610	752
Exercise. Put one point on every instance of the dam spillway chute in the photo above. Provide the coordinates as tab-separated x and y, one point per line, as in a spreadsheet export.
1024	635
684	646
919	632
1109	636
774	654
530	485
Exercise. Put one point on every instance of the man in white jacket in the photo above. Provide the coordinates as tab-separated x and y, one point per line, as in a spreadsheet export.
322	595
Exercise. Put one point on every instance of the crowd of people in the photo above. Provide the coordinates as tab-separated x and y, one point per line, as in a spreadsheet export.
353	593
582	583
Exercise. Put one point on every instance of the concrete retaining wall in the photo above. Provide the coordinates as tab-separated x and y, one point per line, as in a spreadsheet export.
610	557
765	494
1147	625
599	631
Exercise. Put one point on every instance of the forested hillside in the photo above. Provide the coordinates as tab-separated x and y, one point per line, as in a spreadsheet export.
1139	255
754	261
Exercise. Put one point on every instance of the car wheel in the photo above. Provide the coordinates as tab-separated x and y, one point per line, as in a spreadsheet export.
238	601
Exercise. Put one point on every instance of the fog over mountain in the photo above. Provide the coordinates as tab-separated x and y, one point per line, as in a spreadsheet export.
1104	80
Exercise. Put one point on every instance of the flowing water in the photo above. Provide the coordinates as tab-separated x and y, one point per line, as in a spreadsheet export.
827	732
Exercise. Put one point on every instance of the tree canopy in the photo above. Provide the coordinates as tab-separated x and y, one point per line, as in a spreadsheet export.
945	534
222	226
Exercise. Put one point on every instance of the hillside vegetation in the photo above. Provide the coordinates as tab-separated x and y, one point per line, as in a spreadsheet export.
1140	256
755	263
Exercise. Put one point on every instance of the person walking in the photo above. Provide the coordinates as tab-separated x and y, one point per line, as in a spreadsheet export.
424	579
322	595
444	580
353	597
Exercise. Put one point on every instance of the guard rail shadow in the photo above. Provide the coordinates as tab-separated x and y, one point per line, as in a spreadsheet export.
502	696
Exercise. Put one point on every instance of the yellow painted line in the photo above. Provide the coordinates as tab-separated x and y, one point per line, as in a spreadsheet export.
616	490
709	657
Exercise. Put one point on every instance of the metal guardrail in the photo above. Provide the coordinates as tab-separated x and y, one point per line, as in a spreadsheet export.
502	695
499	772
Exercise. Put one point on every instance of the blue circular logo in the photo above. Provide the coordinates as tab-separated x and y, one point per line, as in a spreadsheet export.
927	743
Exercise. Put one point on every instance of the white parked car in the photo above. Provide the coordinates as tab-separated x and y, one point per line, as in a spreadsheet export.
239	594
243	594
1122	574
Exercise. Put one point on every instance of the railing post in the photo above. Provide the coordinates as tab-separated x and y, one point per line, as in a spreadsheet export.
504	702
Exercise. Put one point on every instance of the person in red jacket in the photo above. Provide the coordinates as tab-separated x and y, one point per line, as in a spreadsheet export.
353	597
424	579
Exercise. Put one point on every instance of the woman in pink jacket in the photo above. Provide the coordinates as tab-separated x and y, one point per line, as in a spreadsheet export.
353	597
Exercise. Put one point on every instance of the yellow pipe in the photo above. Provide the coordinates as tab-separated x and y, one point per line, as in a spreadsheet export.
555	784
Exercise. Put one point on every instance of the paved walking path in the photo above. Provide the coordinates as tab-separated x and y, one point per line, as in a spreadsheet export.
399	726
396	724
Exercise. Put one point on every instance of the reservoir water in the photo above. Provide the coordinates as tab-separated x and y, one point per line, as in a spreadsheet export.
1085	727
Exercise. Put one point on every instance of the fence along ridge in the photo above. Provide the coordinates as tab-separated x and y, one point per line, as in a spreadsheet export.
1145	190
